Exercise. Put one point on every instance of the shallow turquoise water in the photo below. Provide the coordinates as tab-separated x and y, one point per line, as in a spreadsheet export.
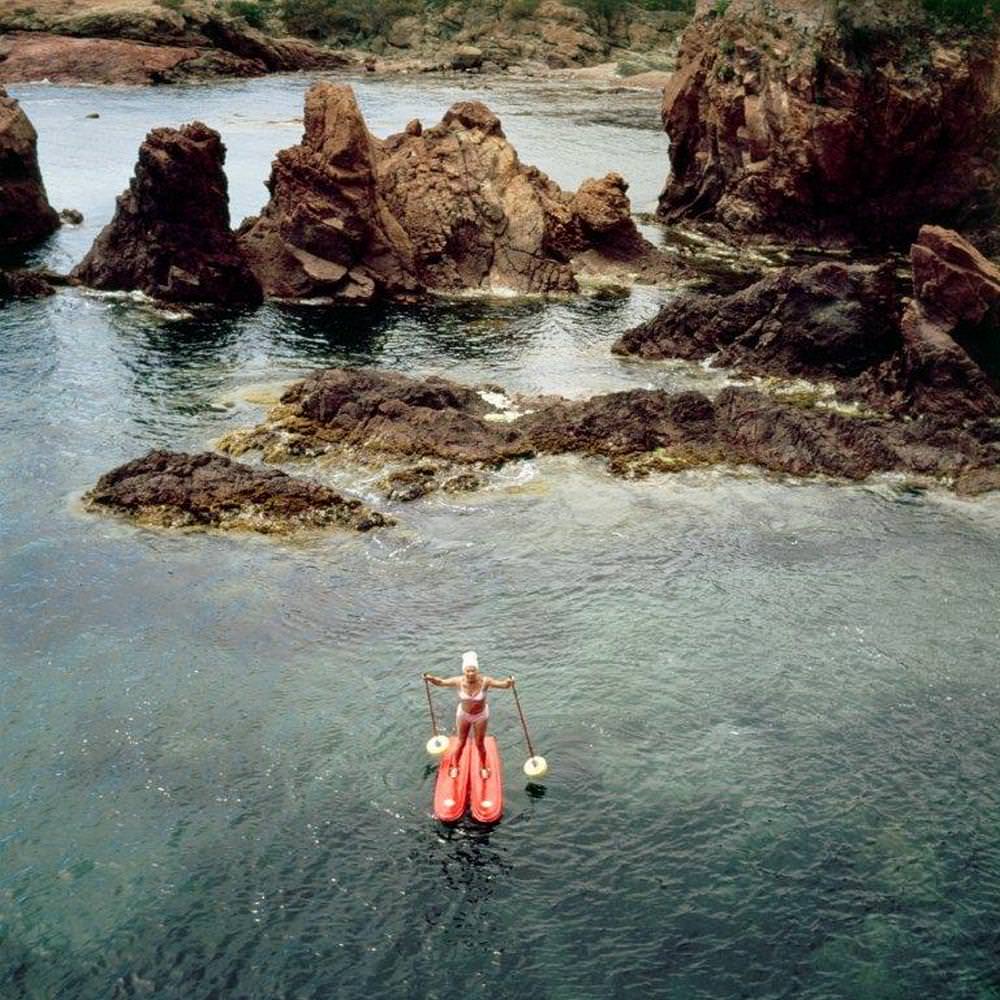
769	707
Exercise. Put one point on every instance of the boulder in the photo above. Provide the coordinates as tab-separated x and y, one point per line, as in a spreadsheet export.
951	278
831	320
405	32
951	334
177	490
847	324
25	213
440	209
830	121
23	284
466	57
170	235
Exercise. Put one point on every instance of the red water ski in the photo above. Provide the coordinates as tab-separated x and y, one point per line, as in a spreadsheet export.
486	794
451	795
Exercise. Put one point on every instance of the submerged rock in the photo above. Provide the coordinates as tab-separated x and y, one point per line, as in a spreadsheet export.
170	235
372	417
847	324
830	121
25	213
176	490
429	210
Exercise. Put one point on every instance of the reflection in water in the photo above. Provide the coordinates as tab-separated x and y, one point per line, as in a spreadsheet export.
468	863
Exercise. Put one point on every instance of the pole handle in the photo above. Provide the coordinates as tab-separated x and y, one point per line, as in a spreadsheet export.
430	705
524	725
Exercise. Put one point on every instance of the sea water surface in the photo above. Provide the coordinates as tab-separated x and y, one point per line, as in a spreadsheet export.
769	706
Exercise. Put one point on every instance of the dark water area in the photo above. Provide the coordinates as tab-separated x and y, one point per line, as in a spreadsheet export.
769	706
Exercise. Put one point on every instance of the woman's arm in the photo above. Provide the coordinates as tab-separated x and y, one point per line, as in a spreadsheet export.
443	682
507	682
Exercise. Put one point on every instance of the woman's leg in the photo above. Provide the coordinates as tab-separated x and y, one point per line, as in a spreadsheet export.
463	735
480	734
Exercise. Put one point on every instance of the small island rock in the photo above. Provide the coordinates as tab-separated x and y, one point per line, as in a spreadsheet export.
173	489
170	235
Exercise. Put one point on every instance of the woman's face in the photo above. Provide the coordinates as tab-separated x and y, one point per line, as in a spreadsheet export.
471	675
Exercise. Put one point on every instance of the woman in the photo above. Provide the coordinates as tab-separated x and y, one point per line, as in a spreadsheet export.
473	712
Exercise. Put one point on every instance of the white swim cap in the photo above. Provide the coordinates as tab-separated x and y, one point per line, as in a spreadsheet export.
470	659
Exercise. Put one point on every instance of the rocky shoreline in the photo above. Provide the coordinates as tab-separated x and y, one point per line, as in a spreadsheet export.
774	149
144	43
147	43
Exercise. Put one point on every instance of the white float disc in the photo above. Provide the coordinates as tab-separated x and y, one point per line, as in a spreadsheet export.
437	745
536	767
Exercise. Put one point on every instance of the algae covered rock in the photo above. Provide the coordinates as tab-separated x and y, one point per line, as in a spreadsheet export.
177	490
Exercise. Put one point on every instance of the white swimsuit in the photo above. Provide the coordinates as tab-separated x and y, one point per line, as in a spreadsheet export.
461	715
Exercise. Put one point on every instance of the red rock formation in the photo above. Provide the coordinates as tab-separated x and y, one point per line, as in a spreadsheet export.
951	278
60	59
831	320
170	235
139	44
173	489
819	121
385	413
845	323
439	210
947	364
25	213
376	415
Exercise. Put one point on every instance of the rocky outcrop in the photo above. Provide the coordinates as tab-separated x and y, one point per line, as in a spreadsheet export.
375	417
932	354
170	235
175	490
25	213
429	210
60	59
829	121
831	320
952	280
25	284
381	413
949	360
143	43
551	33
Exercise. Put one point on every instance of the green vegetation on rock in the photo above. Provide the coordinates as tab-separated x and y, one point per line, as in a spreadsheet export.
364	19
975	14
256	13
